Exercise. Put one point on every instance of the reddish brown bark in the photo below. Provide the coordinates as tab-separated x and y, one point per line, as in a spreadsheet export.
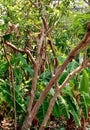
27	123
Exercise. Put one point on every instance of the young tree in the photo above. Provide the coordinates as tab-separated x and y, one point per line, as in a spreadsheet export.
37	33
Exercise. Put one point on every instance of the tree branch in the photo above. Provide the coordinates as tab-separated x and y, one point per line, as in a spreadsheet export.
54	53
14	47
58	90
87	2
40	39
21	51
72	54
30	55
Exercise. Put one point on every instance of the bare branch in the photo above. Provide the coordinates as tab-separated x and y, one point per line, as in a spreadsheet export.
21	51
14	47
30	55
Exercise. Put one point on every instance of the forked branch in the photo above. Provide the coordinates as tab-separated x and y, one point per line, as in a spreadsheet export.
58	90
85	42
21	51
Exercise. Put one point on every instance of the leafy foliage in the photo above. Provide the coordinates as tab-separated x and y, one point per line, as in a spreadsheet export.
61	108
84	84
21	26
42	111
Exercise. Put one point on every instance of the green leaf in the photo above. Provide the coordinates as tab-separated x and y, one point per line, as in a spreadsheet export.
87	98
45	76
6	93
25	65
73	109
3	67
63	77
72	100
42	111
84	105
84	82
6	37
71	66
75	116
61	108
52	92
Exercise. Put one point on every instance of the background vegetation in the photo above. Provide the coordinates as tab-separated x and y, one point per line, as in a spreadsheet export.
44	64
